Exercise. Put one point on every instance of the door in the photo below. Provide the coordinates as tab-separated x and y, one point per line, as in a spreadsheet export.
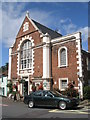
38	98
48	99
25	88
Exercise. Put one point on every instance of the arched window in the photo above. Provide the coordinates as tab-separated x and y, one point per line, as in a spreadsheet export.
26	55
62	57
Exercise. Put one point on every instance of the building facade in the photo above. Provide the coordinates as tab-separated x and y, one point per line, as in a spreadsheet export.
3	85
43	56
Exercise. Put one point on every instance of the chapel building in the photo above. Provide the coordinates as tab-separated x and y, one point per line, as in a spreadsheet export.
43	56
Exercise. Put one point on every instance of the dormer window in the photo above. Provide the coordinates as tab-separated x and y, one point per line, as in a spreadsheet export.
26	26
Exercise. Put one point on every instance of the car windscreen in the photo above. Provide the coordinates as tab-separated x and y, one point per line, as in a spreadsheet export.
56	94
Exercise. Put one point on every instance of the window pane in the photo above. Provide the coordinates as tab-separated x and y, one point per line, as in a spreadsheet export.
26	55
63	57
63	84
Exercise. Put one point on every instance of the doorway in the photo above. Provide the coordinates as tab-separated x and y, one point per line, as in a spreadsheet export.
25	88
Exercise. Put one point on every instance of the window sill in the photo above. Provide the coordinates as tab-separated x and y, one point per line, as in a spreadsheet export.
25	69
63	66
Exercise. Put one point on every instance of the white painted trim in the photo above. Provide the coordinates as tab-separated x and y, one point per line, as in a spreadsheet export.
37	80
62	42
10	63
34	24
18	55
79	56
79	65
60	79
67	37
46	57
59	62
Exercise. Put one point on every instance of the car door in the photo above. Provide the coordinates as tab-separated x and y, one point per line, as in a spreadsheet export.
48	99
38	98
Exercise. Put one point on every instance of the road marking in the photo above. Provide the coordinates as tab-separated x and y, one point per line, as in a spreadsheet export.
69	111
3	105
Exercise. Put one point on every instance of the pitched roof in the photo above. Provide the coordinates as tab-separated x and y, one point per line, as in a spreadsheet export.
45	29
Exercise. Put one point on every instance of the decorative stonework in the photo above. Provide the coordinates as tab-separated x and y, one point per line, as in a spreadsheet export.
25	71
26	26
79	64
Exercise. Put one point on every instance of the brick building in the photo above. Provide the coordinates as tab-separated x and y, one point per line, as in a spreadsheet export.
43	56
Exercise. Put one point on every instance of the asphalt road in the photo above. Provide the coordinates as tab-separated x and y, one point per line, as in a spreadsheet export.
12	109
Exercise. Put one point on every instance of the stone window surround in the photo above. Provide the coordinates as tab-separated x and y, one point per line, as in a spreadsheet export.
61	79
18	56
22	59
59	62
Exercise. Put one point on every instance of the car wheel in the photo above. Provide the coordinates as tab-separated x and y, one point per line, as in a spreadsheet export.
30	104
62	105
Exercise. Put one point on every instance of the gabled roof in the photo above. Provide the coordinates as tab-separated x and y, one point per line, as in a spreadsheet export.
45	29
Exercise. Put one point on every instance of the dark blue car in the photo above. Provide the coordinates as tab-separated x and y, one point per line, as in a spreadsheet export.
50	99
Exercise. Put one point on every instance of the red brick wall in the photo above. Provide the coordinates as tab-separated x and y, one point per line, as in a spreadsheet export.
38	70
38	60
70	71
14	67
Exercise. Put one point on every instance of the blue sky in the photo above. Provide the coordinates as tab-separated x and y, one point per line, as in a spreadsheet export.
67	17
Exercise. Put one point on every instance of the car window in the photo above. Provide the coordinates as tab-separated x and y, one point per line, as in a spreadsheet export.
48	94
38	93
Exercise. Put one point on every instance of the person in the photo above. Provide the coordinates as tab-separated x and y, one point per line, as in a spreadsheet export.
15	97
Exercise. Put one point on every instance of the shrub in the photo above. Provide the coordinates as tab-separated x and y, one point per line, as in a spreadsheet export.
71	91
56	89
87	92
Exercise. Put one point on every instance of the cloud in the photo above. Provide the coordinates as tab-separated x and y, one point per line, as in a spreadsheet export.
84	32
41	16
11	21
62	21
13	17
69	27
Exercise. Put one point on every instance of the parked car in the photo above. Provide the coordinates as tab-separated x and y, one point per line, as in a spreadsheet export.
50	99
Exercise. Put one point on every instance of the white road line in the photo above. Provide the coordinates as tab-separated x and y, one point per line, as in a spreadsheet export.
69	111
3	105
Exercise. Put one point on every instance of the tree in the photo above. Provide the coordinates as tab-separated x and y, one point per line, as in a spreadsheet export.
4	68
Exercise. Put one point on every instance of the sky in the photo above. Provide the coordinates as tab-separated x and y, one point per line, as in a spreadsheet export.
66	17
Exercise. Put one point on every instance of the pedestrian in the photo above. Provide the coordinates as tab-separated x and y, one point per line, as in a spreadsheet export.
15	97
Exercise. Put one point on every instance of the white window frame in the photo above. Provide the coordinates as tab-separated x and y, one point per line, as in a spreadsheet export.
30	64
61	79
59	59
